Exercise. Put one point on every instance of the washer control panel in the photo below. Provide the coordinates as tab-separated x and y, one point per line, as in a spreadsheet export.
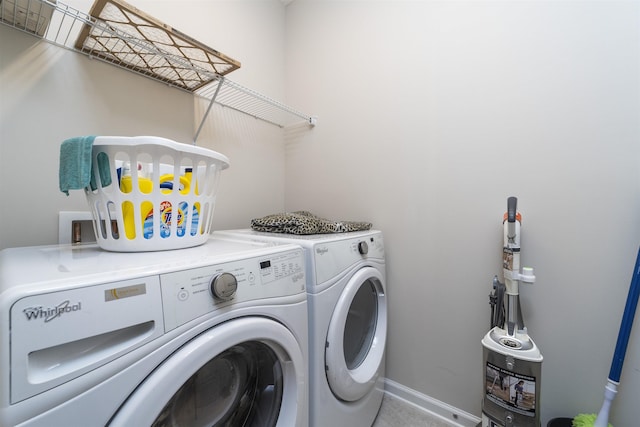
189	294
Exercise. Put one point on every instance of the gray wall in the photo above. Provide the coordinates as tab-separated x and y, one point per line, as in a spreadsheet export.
430	115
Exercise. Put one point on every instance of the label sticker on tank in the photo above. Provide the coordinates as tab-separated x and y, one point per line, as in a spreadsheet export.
511	390
507	259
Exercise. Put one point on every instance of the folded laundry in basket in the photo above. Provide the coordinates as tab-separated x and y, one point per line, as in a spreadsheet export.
76	166
303	222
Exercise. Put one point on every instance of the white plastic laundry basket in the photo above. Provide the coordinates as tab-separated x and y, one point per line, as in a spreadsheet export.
152	193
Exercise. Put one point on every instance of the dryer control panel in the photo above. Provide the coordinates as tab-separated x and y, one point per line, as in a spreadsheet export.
189	294
332	258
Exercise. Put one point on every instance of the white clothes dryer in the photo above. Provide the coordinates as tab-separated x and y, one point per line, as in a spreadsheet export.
346	287
214	335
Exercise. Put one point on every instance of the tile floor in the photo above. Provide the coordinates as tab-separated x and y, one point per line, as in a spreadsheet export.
396	412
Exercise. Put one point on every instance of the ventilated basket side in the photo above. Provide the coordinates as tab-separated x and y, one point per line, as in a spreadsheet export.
152	194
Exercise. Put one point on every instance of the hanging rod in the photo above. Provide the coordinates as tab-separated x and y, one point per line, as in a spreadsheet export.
116	44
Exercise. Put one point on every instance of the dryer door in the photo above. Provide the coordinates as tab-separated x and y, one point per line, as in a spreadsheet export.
248	372
357	335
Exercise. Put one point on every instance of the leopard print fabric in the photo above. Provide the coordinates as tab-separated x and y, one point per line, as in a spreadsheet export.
303	222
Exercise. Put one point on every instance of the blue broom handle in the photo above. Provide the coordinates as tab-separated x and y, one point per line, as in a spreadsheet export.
627	323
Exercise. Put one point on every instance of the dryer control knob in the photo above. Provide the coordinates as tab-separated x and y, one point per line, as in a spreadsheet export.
224	286
363	248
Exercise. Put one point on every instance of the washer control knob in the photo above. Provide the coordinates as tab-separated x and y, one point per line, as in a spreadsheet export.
224	286
363	248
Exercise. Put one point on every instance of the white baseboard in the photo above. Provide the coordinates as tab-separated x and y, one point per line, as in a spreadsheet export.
432	406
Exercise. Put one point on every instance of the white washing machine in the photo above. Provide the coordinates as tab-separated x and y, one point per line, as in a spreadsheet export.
211	335
346	286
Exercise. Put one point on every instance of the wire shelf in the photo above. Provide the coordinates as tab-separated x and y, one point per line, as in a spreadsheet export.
121	35
237	97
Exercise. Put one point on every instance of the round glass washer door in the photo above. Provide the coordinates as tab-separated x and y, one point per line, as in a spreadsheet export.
246	372
357	336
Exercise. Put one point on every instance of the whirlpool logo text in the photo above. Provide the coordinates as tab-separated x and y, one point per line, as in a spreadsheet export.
322	251
50	313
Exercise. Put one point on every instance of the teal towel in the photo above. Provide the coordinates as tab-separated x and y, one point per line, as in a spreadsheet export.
76	166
